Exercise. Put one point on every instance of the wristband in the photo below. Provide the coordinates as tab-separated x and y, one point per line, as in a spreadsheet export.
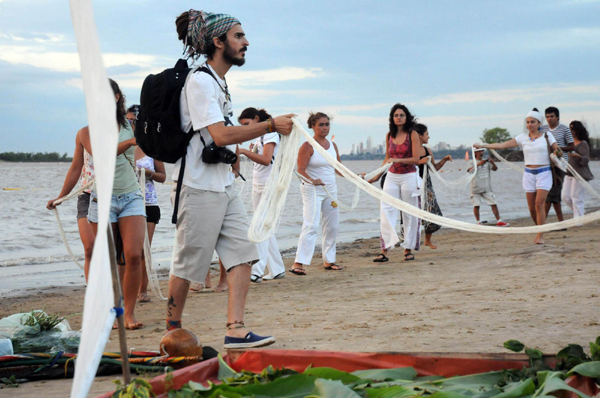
271	125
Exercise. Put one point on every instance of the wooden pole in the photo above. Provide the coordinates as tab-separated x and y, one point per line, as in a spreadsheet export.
112	253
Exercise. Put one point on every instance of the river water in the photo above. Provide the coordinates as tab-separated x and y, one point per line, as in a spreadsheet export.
32	254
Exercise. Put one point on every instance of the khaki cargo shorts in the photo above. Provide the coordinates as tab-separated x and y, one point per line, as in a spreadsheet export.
209	221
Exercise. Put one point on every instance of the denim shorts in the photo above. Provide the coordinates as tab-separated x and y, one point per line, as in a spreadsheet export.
126	205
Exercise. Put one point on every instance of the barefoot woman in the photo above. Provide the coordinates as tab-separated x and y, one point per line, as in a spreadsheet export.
537	178
127	213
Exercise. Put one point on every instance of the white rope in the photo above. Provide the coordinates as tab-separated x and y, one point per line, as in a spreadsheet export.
268	212
60	226
403	206
562	164
340	204
150	270
458	183
579	178
510	164
424	185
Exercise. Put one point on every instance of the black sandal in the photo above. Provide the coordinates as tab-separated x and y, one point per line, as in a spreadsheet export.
333	267
409	256
381	258
298	271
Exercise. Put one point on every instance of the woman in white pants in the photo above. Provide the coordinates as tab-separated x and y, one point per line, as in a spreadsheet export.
315	168
262	153
573	192
402	148
537	178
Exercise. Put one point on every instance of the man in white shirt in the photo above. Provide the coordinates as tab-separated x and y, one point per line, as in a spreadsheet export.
211	215
564	139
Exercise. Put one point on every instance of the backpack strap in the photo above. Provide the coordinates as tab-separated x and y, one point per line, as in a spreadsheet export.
178	190
203	68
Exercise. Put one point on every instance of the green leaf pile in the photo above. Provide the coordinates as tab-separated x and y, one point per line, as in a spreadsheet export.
386	383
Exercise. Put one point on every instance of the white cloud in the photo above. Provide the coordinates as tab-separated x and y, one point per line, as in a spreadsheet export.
68	62
263	77
520	94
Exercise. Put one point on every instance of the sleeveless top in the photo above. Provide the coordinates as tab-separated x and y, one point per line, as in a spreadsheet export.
148	163
401	151
87	171
422	166
125	180
320	168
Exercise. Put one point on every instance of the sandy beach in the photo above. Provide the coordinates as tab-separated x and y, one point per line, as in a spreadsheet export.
470	295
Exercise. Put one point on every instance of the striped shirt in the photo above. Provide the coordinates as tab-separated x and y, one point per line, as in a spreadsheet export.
562	135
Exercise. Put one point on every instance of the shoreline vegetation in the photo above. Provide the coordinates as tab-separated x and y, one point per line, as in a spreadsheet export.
34	157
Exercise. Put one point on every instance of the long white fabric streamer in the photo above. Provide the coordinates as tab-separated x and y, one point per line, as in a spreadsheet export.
355	200
403	206
150	270
60	227
98	314
268	212
560	162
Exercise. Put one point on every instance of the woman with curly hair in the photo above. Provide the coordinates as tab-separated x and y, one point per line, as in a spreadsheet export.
402	148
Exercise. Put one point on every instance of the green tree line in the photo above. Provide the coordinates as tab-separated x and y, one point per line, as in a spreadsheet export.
34	157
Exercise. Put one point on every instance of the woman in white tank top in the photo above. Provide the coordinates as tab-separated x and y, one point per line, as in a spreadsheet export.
313	167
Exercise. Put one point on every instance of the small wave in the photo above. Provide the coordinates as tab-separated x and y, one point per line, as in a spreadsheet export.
362	221
38	260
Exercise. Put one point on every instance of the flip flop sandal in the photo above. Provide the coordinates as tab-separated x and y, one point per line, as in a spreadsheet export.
298	271
143	298
409	257
381	258
333	267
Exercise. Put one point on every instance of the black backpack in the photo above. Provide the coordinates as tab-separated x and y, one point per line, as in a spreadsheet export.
158	127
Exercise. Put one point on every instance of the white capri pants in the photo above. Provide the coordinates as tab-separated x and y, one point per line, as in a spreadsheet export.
405	187
316	202
573	194
268	250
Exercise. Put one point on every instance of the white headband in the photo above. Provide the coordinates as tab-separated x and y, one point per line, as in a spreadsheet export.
479	149
536	115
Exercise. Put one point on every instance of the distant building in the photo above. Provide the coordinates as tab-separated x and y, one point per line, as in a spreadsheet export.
353	149
369	145
361	148
441	146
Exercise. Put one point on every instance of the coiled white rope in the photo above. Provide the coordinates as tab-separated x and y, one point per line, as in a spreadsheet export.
60	227
268	212
150	270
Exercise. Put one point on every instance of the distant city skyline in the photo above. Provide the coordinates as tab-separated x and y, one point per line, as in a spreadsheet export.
361	149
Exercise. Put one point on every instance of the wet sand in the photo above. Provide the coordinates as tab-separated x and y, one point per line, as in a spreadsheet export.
470	295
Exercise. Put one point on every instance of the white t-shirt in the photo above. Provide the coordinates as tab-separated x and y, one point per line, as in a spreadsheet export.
207	105
261	172
535	151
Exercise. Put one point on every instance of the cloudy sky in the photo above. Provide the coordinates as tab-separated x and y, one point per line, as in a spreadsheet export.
460	66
